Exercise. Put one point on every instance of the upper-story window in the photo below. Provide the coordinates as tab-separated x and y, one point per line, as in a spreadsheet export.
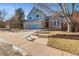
47	18
61	16
30	17
37	16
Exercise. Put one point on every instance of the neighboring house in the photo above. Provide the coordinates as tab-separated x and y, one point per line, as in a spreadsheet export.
10	23
40	19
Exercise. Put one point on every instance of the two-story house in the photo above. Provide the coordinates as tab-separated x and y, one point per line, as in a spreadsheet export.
42	19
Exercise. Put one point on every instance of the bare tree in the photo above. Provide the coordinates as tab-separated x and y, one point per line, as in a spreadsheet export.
3	14
73	7
66	13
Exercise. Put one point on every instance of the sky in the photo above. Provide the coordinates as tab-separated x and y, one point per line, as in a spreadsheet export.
10	8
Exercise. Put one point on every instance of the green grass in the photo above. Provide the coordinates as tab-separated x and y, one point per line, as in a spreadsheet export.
68	45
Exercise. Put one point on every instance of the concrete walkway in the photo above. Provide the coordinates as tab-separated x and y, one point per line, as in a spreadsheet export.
33	48
42	38
42	41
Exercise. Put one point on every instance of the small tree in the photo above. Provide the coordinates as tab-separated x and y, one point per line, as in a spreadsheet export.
3	14
19	14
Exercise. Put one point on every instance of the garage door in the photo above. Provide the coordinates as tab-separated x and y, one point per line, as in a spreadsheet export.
36	25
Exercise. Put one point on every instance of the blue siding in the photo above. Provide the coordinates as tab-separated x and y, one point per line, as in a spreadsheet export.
33	15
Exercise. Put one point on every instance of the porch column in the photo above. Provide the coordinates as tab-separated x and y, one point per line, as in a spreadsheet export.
50	24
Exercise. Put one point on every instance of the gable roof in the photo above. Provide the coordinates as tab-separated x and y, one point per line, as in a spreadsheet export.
44	11
47	11
34	8
11	21
57	16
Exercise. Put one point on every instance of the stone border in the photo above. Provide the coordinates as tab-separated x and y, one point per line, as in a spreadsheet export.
65	36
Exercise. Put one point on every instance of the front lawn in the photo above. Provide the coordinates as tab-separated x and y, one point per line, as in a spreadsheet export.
68	45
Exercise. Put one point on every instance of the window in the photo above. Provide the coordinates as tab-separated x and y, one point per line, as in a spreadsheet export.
58	22
30	17
47	18
61	16
54	23
37	16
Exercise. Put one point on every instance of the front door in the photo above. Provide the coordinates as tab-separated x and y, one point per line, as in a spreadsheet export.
47	24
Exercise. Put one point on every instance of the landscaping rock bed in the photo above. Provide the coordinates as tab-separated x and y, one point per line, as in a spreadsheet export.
65	36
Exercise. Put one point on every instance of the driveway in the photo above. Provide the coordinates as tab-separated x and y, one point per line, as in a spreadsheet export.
33	48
